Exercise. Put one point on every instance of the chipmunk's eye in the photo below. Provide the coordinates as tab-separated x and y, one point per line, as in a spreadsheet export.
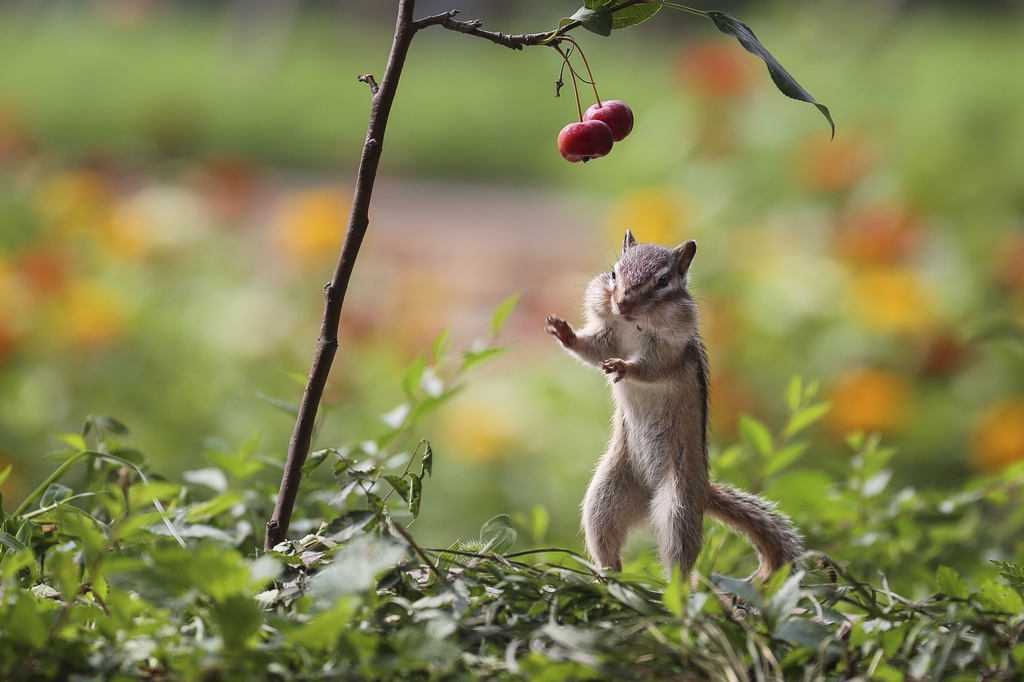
613	275
662	282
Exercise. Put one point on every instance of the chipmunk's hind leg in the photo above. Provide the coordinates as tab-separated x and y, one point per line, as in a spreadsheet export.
679	524
615	502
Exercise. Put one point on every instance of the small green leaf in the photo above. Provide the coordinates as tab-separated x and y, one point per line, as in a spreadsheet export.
72	440
740	588
598	20
594	4
108	423
504	311
415	494
54	493
400	485
805	417
633	15
786	84
284	406
12	543
677	592
427	463
412	376
794	391
784	457
998	597
472	358
442	347
498	534
757	435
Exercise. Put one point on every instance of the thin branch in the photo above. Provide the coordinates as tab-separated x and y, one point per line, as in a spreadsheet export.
472	27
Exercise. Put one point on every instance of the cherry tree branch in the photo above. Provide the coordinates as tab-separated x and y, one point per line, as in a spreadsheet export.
334	292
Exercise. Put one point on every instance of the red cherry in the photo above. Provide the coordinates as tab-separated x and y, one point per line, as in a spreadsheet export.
585	140
616	114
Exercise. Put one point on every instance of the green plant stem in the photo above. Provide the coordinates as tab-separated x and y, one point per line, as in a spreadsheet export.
60	473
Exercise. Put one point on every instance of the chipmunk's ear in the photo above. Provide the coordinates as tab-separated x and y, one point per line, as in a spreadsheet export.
628	241
684	254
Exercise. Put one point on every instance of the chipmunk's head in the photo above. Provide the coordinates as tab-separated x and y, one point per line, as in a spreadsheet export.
649	282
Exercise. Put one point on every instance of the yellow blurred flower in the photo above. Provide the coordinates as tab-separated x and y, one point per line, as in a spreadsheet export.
124	232
653	214
890	299
475	433
89	314
998	438
75	202
311	224
868	399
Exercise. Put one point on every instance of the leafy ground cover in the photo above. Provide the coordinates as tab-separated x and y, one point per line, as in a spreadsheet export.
130	576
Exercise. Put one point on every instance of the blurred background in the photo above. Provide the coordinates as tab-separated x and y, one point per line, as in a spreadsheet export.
175	178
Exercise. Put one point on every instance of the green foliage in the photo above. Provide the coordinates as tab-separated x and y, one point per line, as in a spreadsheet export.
94	583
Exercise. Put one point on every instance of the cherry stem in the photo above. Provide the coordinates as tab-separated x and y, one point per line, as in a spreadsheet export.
590	74
572	72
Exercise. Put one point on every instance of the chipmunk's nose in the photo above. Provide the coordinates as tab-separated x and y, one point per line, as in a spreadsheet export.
625	305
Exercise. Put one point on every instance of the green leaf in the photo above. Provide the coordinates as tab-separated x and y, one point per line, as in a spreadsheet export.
498	534
677	592
400	485
786	84
441	347
998	597
630	598
598	20
594	4
282	405
314	460
951	584
73	440
803	632
805	417
757	435
12	543
237	618
631	16
784	457
415	494
55	492
411	377
502	313
740	588
782	603
427	463
794	393
108	423
472	358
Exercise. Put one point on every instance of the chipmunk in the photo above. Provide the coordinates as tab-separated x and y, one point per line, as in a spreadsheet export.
642	331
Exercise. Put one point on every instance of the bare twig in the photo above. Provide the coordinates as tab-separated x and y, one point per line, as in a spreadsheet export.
369	79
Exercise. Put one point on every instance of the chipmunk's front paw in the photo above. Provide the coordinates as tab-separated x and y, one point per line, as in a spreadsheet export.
616	368
561	330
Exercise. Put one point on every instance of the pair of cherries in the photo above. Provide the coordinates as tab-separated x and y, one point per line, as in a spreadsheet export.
604	124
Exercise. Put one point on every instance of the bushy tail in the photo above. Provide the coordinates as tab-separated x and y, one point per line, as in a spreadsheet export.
772	533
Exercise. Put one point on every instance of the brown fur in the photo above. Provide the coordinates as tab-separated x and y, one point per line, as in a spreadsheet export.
642	331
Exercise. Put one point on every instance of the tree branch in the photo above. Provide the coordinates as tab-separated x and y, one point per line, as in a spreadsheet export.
334	291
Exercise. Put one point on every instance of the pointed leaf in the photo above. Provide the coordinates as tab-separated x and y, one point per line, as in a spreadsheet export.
427	464
400	485
504	309
784	457
802	632
498	534
805	417
786	84
597	20
633	15
757	435
282	405
415	494
794	391
951	584
108	423
72	440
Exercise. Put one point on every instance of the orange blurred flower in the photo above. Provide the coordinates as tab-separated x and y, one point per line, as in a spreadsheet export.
730	398
830	165
1009	261
878	235
715	69
90	315
45	270
868	399
998	439
311	224
891	300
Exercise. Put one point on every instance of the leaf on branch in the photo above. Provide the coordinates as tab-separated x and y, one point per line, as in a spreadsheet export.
498	534
783	81
598	20
633	15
